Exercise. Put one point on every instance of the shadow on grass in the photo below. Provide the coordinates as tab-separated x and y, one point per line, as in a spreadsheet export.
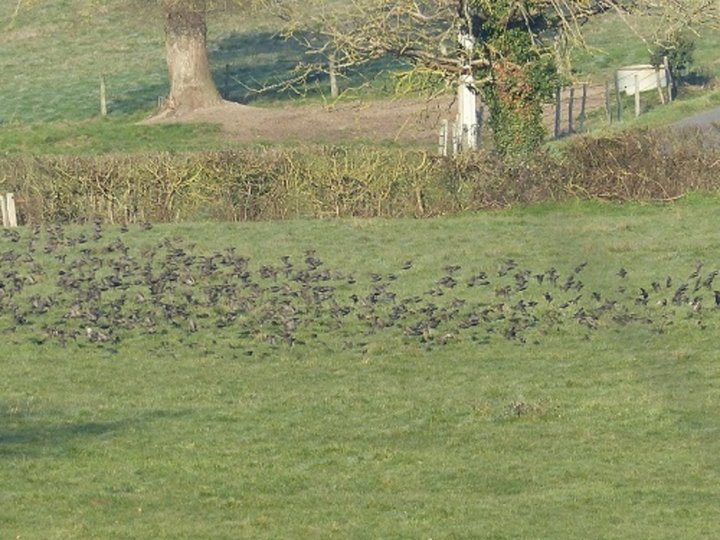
144	98
240	63
255	66
40	439
246	62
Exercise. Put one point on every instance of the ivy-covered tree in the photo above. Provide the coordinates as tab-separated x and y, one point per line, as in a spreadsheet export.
518	45
521	72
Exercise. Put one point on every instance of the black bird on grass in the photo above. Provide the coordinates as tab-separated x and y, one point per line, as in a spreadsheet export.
680	294
311	260
552	276
710	279
97	230
11	234
505	267
447	281
478	279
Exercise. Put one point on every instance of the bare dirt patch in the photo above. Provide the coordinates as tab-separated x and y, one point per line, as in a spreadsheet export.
406	121
401	121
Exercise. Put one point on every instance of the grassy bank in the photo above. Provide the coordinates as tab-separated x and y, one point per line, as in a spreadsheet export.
360	430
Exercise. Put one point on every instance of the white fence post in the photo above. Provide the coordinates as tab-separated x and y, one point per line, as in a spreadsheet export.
455	134
7	205
444	136
12	215
3	208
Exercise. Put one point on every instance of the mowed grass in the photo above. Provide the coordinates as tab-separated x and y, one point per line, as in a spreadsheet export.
575	434
53	56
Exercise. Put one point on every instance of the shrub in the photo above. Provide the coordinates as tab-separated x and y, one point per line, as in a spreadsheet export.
331	181
679	50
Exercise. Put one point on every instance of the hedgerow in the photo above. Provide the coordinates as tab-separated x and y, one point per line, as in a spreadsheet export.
267	183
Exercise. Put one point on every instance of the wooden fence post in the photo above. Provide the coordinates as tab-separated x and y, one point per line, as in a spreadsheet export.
480	124
608	109
103	97
637	95
332	69
670	80
583	103
558	111
571	102
226	83
658	80
618	98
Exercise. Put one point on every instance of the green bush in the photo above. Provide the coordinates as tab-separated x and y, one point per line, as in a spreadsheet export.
679	50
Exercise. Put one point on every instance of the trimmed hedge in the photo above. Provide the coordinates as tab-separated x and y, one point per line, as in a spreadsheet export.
325	181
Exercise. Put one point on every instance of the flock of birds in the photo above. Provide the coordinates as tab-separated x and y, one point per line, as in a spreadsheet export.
58	286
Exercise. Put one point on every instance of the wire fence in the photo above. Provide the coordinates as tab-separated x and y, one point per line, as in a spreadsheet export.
572	104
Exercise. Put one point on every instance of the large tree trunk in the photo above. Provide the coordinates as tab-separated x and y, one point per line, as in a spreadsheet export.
191	85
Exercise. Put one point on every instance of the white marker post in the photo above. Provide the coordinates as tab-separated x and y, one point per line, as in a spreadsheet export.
12	214
467	101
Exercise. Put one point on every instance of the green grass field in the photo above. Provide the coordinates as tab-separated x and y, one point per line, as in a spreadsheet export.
53	57
602	425
541	372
